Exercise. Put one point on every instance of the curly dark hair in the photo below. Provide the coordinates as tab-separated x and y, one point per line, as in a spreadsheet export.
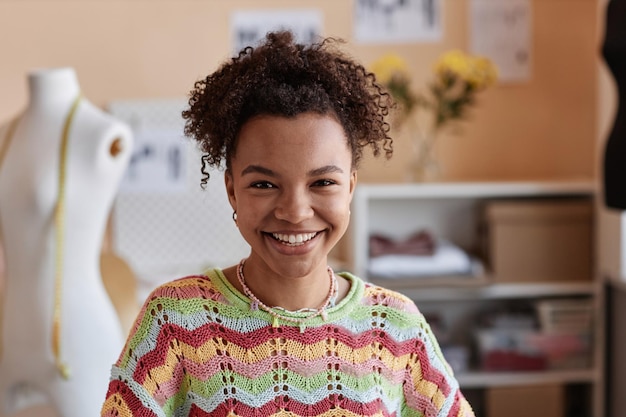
284	78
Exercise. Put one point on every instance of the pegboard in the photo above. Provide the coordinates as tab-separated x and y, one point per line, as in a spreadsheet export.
164	224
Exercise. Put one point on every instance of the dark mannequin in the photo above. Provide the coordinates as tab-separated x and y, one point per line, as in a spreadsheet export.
614	52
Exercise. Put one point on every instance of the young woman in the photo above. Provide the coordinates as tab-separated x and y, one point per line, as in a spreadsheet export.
281	333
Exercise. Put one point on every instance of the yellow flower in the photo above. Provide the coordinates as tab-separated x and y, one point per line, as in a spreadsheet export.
483	74
478	72
388	67
453	63
392	72
458	78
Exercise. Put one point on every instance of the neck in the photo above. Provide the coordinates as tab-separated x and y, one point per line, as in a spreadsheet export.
289	293
52	87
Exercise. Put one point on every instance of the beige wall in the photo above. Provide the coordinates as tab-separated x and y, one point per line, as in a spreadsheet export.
545	128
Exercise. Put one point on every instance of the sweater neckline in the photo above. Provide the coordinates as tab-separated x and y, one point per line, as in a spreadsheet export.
241	301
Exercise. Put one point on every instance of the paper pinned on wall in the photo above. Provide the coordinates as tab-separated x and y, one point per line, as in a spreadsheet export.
397	21
501	31
250	26
158	164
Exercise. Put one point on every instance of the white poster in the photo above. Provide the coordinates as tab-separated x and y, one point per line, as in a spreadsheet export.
158	163
397	21
501	31
248	27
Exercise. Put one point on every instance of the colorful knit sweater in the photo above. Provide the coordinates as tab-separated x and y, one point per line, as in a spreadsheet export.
197	349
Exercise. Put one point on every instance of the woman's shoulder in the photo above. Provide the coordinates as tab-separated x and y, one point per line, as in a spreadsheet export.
189	287
378	296
389	298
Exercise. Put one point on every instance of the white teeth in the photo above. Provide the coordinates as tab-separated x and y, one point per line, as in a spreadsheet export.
295	240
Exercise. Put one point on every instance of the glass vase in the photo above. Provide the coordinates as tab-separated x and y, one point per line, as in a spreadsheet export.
423	164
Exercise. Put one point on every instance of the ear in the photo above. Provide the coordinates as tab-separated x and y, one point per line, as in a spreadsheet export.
230	189
353	180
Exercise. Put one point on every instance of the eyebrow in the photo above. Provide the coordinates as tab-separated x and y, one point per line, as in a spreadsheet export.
328	169
250	169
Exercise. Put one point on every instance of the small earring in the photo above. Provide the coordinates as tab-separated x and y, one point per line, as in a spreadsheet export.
235	216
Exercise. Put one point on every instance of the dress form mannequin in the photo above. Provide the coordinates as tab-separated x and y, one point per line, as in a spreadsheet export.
98	151
614	52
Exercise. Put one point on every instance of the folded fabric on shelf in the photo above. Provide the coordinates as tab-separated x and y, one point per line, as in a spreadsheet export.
421	243
447	259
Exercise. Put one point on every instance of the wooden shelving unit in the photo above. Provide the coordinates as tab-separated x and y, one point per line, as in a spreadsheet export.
454	211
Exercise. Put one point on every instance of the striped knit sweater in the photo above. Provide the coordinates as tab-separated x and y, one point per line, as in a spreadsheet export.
197	349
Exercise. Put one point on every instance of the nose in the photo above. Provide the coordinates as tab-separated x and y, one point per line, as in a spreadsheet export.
294	206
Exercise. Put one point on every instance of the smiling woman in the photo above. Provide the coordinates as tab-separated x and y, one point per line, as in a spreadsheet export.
281	333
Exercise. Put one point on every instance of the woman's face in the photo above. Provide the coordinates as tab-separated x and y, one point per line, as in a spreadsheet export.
291	183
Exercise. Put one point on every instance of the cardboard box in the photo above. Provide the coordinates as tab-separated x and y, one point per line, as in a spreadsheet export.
524	401
540	240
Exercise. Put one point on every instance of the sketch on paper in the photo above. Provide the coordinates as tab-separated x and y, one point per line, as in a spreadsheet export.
250	26
397	21
501	31
158	163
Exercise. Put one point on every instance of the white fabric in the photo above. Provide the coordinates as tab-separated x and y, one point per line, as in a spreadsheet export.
448	259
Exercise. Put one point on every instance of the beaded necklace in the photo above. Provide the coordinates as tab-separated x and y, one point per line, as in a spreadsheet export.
255	303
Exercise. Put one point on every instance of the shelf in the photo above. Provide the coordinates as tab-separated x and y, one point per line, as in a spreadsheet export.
499	379
477	189
456	212
486	290
453	210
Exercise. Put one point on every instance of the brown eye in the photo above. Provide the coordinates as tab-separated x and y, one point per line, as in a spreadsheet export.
324	183
262	185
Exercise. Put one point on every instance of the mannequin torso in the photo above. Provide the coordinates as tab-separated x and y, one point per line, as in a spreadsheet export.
98	150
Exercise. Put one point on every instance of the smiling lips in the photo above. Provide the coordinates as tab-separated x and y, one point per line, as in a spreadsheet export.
295	239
